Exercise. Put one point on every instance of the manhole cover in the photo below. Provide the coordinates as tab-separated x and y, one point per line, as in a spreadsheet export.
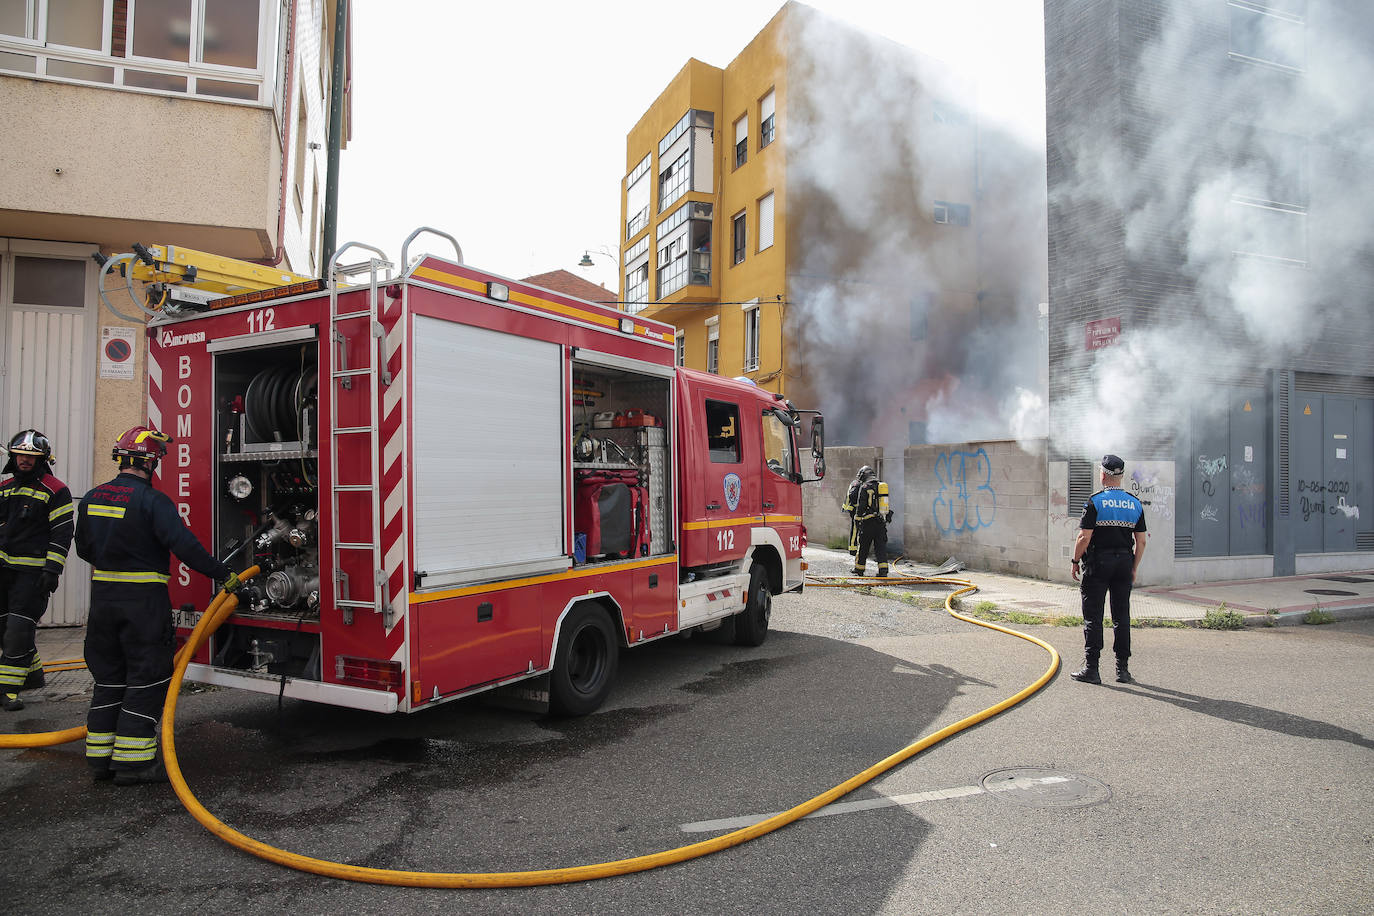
1041	787
1336	592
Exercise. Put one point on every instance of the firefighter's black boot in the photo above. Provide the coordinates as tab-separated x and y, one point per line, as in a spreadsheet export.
35	677
882	570
1088	673
101	772
857	571
1123	675
11	702
152	773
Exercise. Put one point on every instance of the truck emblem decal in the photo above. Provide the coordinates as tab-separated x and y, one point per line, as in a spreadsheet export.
732	487
175	340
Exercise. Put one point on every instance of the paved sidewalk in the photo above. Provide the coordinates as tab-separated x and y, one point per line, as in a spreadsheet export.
1275	601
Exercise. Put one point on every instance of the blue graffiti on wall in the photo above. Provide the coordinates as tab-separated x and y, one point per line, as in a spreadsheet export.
966	500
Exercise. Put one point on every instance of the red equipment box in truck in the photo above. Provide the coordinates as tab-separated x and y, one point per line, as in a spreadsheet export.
413	464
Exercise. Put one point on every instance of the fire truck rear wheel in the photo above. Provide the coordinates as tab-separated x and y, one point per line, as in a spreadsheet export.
585	665
751	624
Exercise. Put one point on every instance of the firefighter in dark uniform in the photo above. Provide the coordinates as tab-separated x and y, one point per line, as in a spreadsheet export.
126	530
35	534
1107	554
871	515
851	500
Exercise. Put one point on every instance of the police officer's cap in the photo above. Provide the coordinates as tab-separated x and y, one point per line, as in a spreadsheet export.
1113	465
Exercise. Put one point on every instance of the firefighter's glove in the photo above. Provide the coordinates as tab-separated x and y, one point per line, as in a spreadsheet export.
232	583
888	518
51	580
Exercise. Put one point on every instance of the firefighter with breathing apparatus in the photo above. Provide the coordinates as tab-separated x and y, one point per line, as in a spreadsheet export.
35	534
851	500
127	529
871	515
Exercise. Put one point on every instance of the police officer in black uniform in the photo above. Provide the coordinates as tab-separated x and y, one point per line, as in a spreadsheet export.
1107	553
35	535
871	515
126	530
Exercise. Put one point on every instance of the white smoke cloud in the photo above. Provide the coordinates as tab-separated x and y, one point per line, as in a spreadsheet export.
901	327
1252	185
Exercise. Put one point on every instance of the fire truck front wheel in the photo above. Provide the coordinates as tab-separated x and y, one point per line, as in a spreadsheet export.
751	624
585	665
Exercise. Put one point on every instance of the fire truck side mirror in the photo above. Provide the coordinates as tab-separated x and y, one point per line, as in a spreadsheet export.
818	445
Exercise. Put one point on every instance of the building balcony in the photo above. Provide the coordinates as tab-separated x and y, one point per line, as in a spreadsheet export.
110	166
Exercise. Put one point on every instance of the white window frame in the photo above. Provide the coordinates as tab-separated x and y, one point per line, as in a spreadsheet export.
713	345
680	348
768	131
741	136
752	329
261	76
766	221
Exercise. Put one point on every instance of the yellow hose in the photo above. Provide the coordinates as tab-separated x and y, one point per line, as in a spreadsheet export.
48	739
578	872
224	605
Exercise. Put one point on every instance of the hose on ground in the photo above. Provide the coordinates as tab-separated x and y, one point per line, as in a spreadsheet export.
223	606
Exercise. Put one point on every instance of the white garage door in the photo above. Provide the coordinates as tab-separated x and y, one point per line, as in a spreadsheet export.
47	327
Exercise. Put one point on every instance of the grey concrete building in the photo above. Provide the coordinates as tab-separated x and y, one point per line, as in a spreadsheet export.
1211	260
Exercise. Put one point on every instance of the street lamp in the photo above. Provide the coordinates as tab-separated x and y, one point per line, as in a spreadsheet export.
601	252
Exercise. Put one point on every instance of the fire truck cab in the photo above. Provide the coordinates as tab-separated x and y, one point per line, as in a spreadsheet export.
454	482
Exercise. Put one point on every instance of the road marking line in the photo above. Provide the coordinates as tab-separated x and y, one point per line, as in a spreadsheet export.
869	804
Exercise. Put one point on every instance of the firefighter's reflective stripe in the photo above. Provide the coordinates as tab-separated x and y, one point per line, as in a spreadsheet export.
41	495
99	744
106	511
134	750
59	513
59	558
13	560
109	575
13	675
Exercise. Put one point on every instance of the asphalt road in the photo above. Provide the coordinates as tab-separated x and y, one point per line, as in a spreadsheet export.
1232	779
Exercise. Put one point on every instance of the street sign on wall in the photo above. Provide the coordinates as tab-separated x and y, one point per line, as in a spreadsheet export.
1102	333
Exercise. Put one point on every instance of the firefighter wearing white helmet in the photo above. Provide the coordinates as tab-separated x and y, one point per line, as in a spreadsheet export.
35	535
127	530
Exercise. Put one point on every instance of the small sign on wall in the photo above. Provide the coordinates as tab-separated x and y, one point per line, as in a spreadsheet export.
1102	333
117	352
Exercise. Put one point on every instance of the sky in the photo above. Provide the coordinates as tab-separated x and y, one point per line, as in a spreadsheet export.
504	124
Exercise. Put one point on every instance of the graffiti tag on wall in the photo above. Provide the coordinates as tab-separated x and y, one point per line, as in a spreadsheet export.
965	500
1156	497
1311	505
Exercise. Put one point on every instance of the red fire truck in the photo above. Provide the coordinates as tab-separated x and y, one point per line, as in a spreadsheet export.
453	482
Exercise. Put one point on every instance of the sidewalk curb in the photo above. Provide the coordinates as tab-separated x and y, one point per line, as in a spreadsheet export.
1295	618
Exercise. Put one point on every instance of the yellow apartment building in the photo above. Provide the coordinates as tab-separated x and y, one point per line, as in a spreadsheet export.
194	123
820	216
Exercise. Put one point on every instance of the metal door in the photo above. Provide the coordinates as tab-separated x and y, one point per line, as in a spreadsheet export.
1338	474
1210	477
1307	482
46	379
1249	466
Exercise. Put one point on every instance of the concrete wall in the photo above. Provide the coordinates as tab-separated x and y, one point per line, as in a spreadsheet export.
825	521
982	502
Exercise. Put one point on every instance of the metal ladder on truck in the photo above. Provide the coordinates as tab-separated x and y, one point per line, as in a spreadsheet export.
341	375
